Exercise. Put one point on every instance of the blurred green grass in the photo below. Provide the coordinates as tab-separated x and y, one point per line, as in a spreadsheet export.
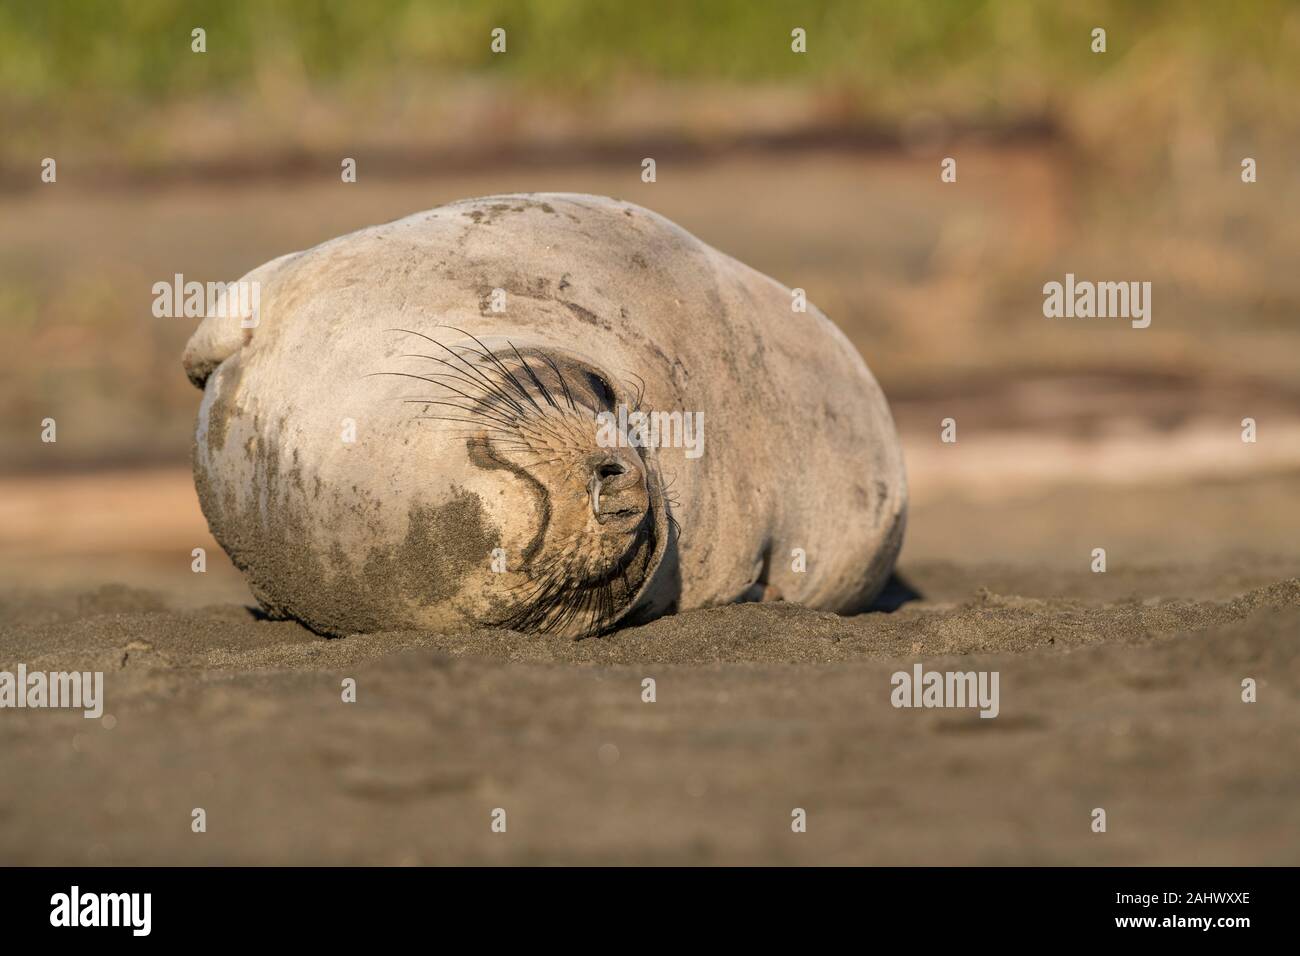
53	53
119	81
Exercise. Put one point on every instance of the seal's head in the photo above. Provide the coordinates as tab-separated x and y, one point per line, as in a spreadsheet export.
547	423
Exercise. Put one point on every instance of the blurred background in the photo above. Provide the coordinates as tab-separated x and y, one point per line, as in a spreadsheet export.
820	169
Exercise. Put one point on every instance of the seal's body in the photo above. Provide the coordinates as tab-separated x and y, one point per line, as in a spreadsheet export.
432	424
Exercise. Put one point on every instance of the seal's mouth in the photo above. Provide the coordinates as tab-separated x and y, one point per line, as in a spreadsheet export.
582	584
600	547
601	521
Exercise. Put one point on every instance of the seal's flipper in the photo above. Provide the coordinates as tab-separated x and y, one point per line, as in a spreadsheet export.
221	335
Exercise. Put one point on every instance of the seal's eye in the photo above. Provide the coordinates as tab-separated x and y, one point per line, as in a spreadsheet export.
611	469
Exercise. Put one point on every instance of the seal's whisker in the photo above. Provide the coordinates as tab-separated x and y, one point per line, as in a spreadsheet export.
425	378
492	386
640	391
457	375
546	392
432	381
546	607
511	381
583	606
444	418
560	375
486	385
472	436
412	332
547	424
497	389
551	601
536	432
496	361
472	410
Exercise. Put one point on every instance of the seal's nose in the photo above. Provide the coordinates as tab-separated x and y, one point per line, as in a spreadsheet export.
617	486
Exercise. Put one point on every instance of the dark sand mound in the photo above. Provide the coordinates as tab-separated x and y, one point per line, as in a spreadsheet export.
117	628
1133	705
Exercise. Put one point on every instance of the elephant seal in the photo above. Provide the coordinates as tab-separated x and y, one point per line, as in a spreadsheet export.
443	422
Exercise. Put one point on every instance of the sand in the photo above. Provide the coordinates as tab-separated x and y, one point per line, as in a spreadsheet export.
1133	705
